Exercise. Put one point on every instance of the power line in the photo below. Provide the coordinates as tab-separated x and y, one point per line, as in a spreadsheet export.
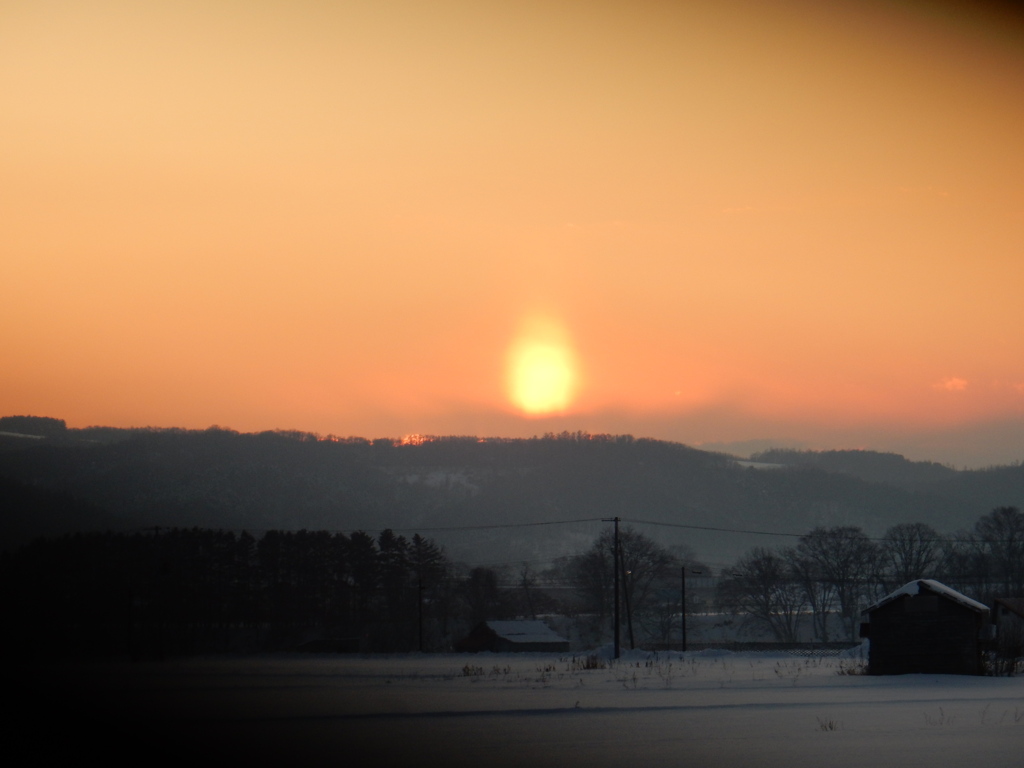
499	526
449	528
712	528
502	525
940	540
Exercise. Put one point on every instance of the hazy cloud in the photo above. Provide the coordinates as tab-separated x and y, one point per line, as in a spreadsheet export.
952	384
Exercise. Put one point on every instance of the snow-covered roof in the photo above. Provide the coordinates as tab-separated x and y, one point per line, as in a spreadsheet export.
525	631
935	587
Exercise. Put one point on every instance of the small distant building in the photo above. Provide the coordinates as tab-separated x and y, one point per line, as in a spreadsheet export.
512	636
1008	616
926	627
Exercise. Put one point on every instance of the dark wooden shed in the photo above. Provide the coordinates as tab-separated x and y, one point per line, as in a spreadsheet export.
926	627
506	636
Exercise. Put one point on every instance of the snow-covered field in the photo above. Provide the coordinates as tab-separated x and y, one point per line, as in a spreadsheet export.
698	709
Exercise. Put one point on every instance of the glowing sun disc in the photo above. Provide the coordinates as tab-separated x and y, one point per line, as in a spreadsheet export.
542	374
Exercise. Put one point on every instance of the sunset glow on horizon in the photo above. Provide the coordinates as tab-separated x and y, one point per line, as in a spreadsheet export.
798	221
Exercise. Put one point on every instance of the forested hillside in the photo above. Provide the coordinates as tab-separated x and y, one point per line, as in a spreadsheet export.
458	488
873	466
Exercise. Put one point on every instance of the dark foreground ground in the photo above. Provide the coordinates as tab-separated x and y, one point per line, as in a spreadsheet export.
531	710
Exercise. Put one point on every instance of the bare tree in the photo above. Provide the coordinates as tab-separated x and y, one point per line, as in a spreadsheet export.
528	582
908	551
762	585
818	592
959	563
646	567
988	561
844	557
482	595
999	542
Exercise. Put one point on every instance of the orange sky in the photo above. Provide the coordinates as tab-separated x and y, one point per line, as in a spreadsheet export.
793	220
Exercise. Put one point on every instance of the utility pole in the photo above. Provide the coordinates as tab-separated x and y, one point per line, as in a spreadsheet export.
615	570
683	610
419	615
625	595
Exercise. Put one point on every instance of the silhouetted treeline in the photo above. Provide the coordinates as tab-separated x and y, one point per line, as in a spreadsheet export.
839	570
165	592
180	591
38	426
170	592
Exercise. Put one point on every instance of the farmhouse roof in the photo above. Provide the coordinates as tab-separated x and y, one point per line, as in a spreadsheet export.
935	588
525	631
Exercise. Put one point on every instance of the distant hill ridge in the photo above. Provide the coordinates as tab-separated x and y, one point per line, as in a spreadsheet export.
219	478
873	466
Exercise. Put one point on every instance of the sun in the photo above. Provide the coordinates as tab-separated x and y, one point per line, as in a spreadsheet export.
541	369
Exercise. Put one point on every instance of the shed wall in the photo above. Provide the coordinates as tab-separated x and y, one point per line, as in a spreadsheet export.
924	634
